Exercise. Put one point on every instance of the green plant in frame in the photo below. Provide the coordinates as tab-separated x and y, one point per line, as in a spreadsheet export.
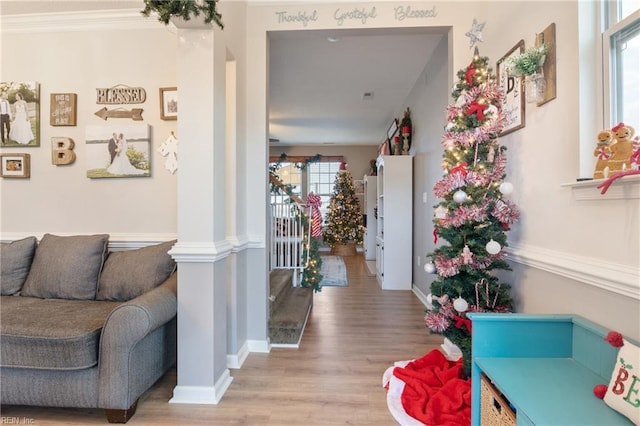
529	62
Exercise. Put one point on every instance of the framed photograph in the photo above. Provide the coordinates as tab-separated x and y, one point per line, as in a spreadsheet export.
117	151
63	109
393	129
358	186
20	114
513	87
15	165
169	103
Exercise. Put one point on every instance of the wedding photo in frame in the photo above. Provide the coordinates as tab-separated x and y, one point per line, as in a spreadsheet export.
117	151
169	103
15	165
20	114
513	102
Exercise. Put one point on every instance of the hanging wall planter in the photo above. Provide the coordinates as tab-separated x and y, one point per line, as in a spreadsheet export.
535	87
530	65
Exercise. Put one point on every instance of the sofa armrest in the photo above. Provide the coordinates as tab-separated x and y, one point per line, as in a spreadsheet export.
123	368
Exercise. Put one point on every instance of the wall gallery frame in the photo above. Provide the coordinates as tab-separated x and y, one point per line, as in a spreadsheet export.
15	165
169	103
21	127
63	109
513	103
117	151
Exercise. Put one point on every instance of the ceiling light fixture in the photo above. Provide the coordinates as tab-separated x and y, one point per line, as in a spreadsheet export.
333	39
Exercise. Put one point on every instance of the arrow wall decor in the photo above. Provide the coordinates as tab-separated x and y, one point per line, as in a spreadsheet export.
135	113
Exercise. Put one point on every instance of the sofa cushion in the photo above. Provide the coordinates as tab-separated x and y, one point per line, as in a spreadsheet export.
15	261
51	334
67	267
130	273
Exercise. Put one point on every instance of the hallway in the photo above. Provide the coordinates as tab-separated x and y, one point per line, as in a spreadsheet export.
335	378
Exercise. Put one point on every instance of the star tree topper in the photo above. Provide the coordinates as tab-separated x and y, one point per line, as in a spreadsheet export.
475	33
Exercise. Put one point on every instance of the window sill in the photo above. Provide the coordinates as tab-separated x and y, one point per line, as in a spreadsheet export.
626	188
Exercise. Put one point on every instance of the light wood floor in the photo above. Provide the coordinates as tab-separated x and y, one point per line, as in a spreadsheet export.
353	335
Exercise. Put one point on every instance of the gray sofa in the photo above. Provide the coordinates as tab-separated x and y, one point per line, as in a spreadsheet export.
84	327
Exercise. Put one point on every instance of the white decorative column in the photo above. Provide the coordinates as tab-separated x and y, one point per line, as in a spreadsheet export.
202	248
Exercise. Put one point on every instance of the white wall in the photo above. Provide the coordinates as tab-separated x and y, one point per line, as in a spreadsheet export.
61	199
426	100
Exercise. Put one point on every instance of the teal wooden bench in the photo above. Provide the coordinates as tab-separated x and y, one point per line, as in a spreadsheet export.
546	367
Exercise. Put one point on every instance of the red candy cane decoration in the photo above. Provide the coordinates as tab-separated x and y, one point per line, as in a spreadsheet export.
314	201
603	153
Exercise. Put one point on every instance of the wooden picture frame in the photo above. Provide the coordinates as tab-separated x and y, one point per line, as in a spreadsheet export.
63	109
392	130
23	130
15	165
513	103
169	103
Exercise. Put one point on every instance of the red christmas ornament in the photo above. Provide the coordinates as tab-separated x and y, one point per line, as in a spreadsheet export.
435	235
615	339
599	391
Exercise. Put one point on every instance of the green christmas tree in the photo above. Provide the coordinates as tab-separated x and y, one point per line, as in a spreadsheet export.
343	223
474	213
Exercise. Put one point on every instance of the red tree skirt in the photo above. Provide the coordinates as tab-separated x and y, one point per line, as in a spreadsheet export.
428	391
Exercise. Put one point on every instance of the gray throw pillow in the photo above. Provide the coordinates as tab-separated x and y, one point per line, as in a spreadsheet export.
129	273
67	267
15	261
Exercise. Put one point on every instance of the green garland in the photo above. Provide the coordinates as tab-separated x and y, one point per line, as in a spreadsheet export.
273	171
184	9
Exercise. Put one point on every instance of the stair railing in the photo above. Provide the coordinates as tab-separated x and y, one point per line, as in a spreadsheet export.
288	233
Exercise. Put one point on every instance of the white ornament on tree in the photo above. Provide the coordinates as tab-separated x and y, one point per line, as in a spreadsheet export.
460	305
506	188
493	247
429	268
460	196
441	212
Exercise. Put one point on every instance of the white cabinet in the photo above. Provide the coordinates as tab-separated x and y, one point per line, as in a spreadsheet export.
395	230
370	195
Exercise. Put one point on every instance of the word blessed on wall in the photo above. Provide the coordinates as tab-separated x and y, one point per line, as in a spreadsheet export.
358	14
121	95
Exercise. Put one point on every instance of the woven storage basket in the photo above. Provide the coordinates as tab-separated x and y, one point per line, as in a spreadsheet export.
344	250
494	409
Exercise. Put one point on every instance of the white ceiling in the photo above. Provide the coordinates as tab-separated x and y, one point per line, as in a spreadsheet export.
316	87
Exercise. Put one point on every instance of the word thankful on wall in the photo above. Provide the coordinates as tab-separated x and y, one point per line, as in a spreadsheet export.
357	14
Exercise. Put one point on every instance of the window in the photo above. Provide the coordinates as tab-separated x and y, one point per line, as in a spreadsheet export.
621	59
321	177
289	174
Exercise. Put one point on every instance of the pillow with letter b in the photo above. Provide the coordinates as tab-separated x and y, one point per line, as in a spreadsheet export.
623	394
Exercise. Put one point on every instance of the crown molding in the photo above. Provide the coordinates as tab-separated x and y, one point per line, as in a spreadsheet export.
115	19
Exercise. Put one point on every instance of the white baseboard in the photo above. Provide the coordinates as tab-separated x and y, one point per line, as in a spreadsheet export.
421	296
259	346
235	361
210	395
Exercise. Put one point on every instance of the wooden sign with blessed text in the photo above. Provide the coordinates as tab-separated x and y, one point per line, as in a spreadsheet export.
121	94
63	109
